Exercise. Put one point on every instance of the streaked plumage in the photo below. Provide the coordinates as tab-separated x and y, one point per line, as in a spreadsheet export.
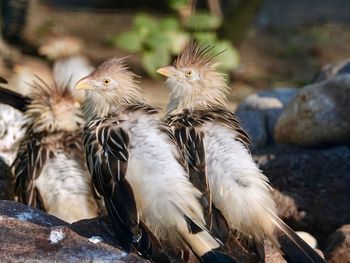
139	170
50	168
239	190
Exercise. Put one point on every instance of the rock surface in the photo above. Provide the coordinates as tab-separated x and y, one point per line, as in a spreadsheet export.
338	248
331	70
253	122
318	115
258	113
313	186
31	235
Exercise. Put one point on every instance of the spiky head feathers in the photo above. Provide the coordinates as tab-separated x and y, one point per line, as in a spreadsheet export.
195	56
193	79
53	108
109	87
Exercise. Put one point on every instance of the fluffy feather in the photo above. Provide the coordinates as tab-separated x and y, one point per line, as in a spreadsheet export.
49	167
164	198
239	190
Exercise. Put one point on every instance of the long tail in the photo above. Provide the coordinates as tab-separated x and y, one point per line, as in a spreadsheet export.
205	246
14	99
147	244
295	249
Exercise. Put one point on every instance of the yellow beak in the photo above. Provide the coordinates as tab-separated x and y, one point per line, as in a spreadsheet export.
165	71
84	83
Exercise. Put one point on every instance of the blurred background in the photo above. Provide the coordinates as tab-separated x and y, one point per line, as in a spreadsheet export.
286	63
268	43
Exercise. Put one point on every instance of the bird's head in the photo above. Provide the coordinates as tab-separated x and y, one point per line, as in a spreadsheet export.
53	108
193	79
110	86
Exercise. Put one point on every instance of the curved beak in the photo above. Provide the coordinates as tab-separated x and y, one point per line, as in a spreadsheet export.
165	71
84	83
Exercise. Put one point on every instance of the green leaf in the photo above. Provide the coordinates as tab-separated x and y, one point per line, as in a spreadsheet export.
229	58
208	38
158	40
202	21
177	4
169	24
154	59
178	41
144	25
128	41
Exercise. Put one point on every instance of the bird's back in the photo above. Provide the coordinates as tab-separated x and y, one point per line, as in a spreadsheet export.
157	175
51	174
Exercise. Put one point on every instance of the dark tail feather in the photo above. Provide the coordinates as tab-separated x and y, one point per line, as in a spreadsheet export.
217	255
14	99
2	80
294	247
148	245
207	248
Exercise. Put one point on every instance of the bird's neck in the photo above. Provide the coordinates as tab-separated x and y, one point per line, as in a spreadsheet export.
102	105
205	94
204	101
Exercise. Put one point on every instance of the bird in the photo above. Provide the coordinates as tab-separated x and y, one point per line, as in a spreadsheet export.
138	169
216	149
50	170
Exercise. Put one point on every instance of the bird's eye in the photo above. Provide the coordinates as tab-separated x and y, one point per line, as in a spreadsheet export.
106	81
189	73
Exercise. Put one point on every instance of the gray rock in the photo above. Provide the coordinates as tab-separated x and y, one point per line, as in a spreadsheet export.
312	186
260	111
332	70
253	122
318	115
338	246
30	235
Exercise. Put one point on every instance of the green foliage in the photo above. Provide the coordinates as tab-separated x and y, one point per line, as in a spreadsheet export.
177	4
228	56
159	40
156	40
202	21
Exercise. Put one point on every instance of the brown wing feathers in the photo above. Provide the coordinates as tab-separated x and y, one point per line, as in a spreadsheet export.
28	165
107	146
187	130
186	127
14	99
190	140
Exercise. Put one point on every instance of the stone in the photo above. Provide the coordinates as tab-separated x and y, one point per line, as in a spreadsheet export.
259	113
311	186
253	122
318	115
331	70
30	235
338	246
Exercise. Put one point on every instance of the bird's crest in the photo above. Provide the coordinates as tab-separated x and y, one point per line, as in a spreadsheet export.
112	66
196	55
52	108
